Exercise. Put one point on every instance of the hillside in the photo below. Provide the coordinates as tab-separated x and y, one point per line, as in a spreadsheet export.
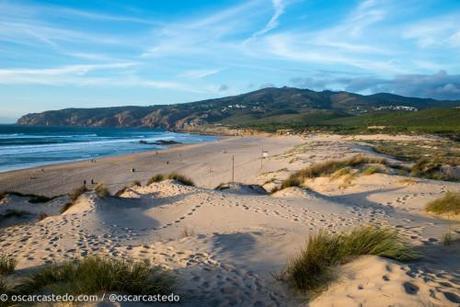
266	108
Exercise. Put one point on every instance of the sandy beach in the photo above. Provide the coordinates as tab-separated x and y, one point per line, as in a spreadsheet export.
226	247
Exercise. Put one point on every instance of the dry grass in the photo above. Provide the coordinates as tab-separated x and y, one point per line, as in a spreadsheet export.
33	198
76	193
312	269
174	176
42	216
7	264
449	204
10	213
102	191
126	188
156	178
336	168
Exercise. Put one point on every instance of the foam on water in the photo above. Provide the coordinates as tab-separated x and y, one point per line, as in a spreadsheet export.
24	147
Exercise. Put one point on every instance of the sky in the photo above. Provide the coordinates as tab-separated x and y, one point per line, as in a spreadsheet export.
78	53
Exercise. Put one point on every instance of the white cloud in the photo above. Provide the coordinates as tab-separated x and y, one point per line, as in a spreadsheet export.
81	75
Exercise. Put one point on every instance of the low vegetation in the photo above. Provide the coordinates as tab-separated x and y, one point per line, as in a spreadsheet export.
126	188
336	168
428	155
102	191
430	169
173	176
7	265
10	213
448	239
449	204
33	198
75	194
94	275
313	268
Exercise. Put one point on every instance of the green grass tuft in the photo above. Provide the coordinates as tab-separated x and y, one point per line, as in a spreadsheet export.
312	269
448	204
94	275
7	264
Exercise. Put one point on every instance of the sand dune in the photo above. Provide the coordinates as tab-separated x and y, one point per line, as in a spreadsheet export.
227	246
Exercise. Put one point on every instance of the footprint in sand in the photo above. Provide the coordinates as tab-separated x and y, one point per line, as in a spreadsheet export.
410	288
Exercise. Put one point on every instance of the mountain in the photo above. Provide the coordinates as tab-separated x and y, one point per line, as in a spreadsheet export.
267	105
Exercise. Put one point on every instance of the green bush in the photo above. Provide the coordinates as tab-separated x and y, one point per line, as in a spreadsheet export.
94	275
312	269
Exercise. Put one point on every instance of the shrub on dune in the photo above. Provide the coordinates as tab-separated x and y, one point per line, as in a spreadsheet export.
7	264
94	275
312	269
448	204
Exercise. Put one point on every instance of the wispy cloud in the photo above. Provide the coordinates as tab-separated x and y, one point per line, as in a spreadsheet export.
441	31
199	73
82	75
278	7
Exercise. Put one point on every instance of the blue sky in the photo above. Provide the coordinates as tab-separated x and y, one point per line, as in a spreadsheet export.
58	54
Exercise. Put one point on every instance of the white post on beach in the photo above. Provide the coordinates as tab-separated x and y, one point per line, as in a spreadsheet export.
261	156
233	168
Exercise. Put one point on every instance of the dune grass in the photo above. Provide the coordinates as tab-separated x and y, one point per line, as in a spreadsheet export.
135	183
33	198
74	195
174	176
336	168
156	178
449	204
102	191
78	192
7	264
94	275
312	269
9	213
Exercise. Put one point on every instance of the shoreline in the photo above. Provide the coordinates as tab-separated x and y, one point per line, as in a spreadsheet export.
116	171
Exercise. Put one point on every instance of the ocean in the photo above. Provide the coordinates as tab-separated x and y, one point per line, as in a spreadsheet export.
25	147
